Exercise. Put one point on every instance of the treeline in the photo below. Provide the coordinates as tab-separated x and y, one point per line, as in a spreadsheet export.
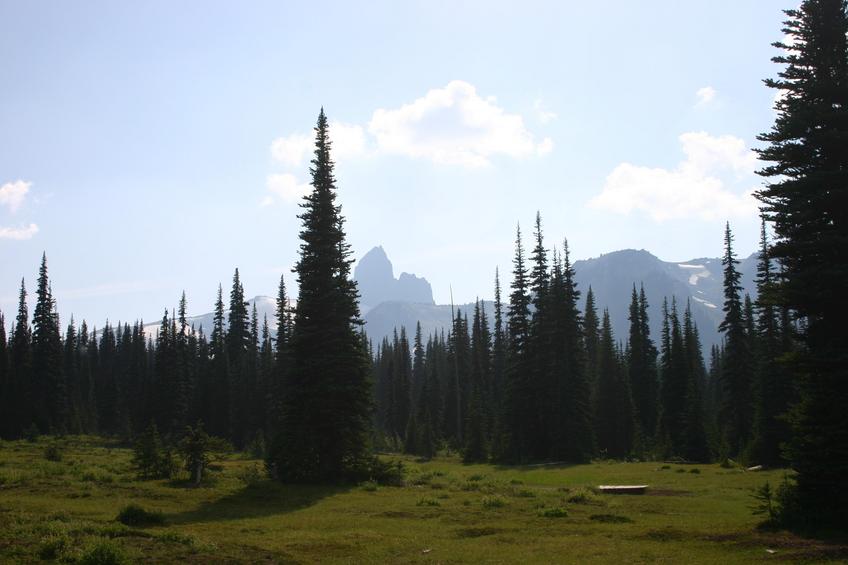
117	380
549	383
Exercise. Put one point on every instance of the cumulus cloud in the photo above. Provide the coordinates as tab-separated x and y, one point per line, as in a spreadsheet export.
296	149
284	187
19	233
703	185
453	125
705	95
544	116
292	149
12	194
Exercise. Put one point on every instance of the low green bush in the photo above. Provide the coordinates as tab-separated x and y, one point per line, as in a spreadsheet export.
135	515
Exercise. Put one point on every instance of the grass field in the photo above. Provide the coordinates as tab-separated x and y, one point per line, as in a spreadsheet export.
446	513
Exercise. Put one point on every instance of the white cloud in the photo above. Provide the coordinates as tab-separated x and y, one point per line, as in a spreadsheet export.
543	115
12	194
19	233
296	149
286	188
453	125
292	149
704	96
348	140
698	188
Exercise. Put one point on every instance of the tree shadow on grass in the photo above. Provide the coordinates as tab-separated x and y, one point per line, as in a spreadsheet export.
552	466
266	498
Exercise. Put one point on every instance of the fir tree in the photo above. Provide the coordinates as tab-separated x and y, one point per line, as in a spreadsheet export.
326	415
239	363
518	392
641	363
20	373
6	400
49	394
772	389
805	199
737	371
614	406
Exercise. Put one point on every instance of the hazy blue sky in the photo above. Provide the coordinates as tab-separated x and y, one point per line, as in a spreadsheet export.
151	147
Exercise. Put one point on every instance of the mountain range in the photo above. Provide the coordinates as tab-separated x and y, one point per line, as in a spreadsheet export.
388	302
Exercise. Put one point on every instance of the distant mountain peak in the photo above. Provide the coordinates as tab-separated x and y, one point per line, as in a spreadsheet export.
375	278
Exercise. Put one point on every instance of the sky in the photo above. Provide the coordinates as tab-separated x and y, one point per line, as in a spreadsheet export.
153	147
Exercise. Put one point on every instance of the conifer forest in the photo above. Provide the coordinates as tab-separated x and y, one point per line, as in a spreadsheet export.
535	377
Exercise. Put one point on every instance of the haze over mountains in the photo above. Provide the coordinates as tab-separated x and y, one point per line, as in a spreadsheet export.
388	302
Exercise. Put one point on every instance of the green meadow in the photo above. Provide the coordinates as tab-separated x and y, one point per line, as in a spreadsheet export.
65	511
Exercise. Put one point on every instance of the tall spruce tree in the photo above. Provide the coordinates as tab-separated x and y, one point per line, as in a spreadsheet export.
326	414
6	426
49	396
805	199
773	389
614	407
736	414
641	364
239	350
518	392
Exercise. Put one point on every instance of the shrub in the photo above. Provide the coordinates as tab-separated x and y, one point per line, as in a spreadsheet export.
103	552
251	476
494	501
695	471
53	453
369	486
476	477
387	473
558	512
135	515
256	448
31	433
53	546
582	496
195	449
427	502
151	459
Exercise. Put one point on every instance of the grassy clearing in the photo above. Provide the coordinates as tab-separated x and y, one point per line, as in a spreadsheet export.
67	511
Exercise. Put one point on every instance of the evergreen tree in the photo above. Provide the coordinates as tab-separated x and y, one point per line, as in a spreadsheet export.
737	371
217	409
239	363
476	441
20	373
6	400
499	354
326	415
773	390
641	364
518	392
694	439
805	200
574	435
49	394
592	340
614	406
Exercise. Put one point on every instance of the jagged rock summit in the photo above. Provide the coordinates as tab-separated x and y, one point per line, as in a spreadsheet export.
376	280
